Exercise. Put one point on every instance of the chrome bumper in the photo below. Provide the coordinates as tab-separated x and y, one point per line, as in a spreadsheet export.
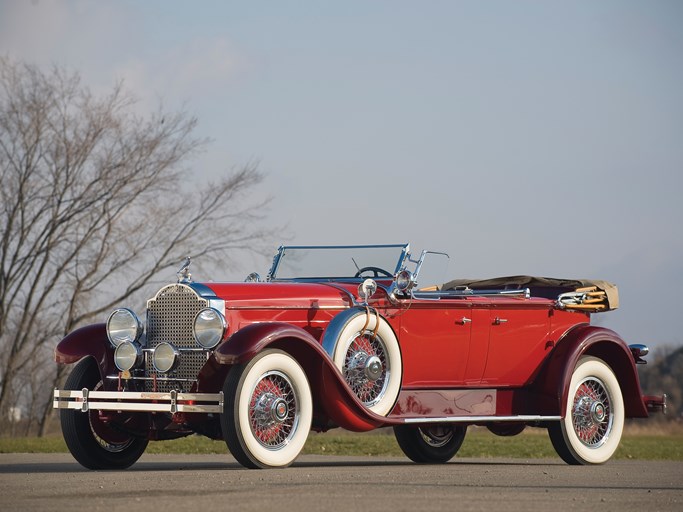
655	403
173	402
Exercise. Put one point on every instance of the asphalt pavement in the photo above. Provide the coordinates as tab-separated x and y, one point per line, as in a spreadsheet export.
55	482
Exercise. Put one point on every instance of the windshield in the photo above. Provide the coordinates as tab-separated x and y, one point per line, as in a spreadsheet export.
338	262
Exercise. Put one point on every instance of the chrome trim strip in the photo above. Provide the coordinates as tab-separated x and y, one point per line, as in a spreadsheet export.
446	294
182	349
85	400
248	308
152	379
477	419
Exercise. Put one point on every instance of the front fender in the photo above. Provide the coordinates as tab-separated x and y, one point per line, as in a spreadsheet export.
91	341
249	341
585	339
328	386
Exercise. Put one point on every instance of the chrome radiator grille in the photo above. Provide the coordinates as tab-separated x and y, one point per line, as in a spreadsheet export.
169	318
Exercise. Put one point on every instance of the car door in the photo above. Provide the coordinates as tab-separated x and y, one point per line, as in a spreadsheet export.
434	336
517	340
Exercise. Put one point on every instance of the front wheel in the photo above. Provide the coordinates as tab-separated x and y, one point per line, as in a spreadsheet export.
593	422
93	443
434	444
268	410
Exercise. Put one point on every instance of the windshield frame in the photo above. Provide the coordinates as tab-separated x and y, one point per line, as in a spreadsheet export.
403	251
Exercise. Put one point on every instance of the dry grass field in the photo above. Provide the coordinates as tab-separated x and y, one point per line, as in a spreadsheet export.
642	441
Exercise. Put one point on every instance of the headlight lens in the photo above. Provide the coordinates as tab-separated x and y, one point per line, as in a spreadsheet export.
123	325
127	356
404	280
165	358
209	327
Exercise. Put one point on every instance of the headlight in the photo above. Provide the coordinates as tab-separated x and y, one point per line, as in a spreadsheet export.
127	356
404	280
165	358
209	327
123	325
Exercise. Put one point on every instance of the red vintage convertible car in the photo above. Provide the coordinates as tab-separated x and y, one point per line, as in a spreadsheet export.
353	337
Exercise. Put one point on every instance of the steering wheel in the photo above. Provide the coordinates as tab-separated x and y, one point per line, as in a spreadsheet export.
377	272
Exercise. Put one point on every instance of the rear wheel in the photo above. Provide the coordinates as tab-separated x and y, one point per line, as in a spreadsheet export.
593	422
434	444
268	410
506	429
93	443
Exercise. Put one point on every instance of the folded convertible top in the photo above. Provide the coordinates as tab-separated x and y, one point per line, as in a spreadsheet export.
588	294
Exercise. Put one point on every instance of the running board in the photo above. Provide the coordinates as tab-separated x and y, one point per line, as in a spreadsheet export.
483	419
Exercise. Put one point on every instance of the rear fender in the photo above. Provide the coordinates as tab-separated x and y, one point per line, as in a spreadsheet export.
328	387
584	339
88	341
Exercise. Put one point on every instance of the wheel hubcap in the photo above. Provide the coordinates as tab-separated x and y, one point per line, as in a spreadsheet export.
436	436
592	413
366	369
273	410
373	368
598	413
279	410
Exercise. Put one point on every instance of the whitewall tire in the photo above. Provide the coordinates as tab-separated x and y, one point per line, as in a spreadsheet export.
593	422
371	365
268	410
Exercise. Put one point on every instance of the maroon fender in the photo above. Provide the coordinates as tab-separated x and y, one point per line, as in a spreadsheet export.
329	389
252	339
585	339
90	340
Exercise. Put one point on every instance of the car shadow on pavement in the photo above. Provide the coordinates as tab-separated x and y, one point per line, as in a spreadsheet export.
311	461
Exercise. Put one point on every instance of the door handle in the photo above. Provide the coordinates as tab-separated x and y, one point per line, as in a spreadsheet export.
499	321
464	320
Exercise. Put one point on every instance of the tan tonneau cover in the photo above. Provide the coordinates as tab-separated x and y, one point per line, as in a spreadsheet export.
579	294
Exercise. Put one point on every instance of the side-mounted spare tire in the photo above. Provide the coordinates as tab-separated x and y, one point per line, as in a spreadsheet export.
366	352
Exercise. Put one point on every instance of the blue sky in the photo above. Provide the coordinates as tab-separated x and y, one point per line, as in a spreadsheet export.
522	137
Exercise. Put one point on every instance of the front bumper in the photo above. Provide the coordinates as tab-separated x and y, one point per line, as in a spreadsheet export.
173	401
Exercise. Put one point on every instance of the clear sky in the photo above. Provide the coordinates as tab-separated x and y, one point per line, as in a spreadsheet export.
525	137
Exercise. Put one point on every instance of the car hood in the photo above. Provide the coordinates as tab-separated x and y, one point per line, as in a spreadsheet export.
309	295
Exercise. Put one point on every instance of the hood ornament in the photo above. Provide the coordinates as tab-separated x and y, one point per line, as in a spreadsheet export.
183	274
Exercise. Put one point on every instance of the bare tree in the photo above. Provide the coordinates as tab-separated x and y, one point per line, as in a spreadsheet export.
95	203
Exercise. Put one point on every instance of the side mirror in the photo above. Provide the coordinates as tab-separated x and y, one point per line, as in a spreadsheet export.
367	289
